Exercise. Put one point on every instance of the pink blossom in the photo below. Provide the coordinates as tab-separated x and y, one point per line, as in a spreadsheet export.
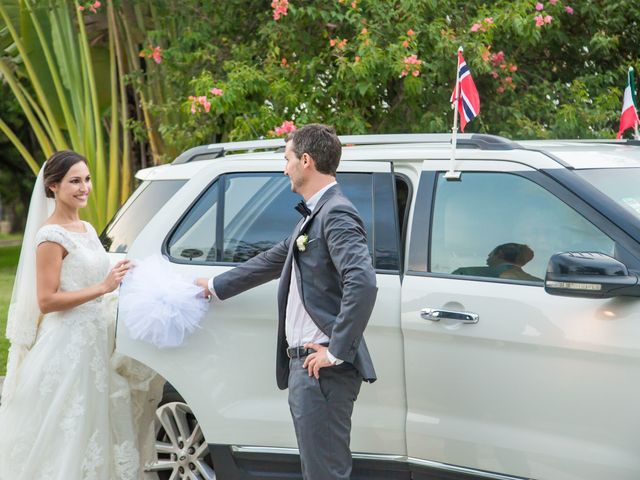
500	89
156	54
410	32
569	10
488	20
354	4
280	8
475	27
494	74
539	20
508	79
217	92
415	73
192	99
357	58
364	31
332	42
286	127
548	18
94	6
497	58
81	8
405	44
512	67
485	55
412	60
553	2
342	43
284	63
404	73
539	6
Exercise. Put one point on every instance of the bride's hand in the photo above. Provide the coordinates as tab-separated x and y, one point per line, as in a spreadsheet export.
116	275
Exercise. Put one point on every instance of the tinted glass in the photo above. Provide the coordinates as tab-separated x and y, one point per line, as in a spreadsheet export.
247	213
195	238
127	223
621	184
258	214
358	187
504	226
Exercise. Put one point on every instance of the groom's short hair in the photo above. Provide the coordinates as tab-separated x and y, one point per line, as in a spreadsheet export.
321	143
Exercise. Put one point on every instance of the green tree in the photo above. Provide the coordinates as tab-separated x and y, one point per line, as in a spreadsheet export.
554	72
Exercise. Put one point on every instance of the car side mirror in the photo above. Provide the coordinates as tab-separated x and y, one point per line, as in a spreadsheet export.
589	275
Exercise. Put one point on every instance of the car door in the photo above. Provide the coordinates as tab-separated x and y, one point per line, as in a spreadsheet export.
226	372
501	376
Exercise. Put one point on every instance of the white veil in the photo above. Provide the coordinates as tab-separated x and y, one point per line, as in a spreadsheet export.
22	321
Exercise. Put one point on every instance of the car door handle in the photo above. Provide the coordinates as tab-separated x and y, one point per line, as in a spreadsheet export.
437	314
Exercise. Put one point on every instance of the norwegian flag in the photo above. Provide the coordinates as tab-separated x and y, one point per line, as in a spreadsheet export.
468	98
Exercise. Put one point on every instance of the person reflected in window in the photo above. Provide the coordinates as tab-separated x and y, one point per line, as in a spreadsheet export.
509	258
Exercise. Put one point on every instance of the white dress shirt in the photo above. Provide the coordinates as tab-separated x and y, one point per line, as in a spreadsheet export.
299	326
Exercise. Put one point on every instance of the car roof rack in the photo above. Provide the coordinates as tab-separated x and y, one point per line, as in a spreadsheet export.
475	140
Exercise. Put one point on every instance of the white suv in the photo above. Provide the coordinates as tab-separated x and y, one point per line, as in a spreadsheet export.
496	357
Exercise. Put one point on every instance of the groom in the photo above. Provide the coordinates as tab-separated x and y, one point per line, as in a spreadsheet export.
325	297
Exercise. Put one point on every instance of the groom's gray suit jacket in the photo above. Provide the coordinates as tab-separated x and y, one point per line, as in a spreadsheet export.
336	281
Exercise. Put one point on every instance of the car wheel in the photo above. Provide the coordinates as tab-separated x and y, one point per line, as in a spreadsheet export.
182	451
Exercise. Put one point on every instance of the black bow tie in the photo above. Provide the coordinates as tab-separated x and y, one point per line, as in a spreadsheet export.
303	209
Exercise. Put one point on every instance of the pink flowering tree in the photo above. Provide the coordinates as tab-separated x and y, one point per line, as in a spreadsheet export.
366	68
195	72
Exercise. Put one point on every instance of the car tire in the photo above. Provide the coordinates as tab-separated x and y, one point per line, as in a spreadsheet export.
181	449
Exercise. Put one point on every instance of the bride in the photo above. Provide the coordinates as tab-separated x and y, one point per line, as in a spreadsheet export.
70	410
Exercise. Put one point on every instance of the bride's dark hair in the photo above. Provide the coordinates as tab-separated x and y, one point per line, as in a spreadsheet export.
57	167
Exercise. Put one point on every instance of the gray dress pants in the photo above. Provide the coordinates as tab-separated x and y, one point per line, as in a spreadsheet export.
321	411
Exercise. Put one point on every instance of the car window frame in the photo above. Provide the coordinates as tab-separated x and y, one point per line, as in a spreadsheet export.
420	259
220	219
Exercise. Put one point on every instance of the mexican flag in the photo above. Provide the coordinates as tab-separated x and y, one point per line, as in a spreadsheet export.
629	116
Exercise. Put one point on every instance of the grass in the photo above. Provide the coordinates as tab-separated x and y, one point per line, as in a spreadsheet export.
8	262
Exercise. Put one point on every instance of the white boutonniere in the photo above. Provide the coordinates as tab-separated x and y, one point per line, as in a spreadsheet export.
301	242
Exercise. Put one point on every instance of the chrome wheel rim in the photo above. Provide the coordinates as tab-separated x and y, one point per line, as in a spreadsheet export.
182	452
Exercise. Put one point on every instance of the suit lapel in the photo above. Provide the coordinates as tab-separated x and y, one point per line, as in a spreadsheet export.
326	196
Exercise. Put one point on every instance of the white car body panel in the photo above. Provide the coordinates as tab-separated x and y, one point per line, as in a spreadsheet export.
557	355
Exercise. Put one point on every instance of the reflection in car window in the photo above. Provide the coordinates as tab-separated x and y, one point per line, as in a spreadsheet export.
621	184
127	223
254	212
195	238
502	225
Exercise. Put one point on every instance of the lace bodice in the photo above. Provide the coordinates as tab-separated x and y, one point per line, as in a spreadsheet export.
86	262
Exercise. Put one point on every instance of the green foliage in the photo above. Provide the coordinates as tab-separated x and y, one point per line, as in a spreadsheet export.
341	63
8	262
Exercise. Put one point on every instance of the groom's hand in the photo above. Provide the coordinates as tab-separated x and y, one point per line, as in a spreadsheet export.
204	284
315	361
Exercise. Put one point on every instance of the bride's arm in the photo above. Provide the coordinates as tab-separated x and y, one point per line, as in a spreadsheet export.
49	256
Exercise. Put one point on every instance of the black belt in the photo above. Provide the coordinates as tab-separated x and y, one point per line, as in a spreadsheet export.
300	352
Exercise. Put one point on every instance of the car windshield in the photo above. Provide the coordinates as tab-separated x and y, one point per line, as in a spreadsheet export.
621	184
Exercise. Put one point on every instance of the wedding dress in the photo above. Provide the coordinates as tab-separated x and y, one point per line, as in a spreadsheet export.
77	412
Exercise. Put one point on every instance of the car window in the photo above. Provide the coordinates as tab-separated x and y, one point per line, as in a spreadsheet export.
501	225
127	223
195	238
621	184
243	214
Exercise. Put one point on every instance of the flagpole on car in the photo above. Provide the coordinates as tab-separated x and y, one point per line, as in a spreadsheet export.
633	96
452	174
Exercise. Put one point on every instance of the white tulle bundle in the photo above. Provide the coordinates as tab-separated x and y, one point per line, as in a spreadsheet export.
159	306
